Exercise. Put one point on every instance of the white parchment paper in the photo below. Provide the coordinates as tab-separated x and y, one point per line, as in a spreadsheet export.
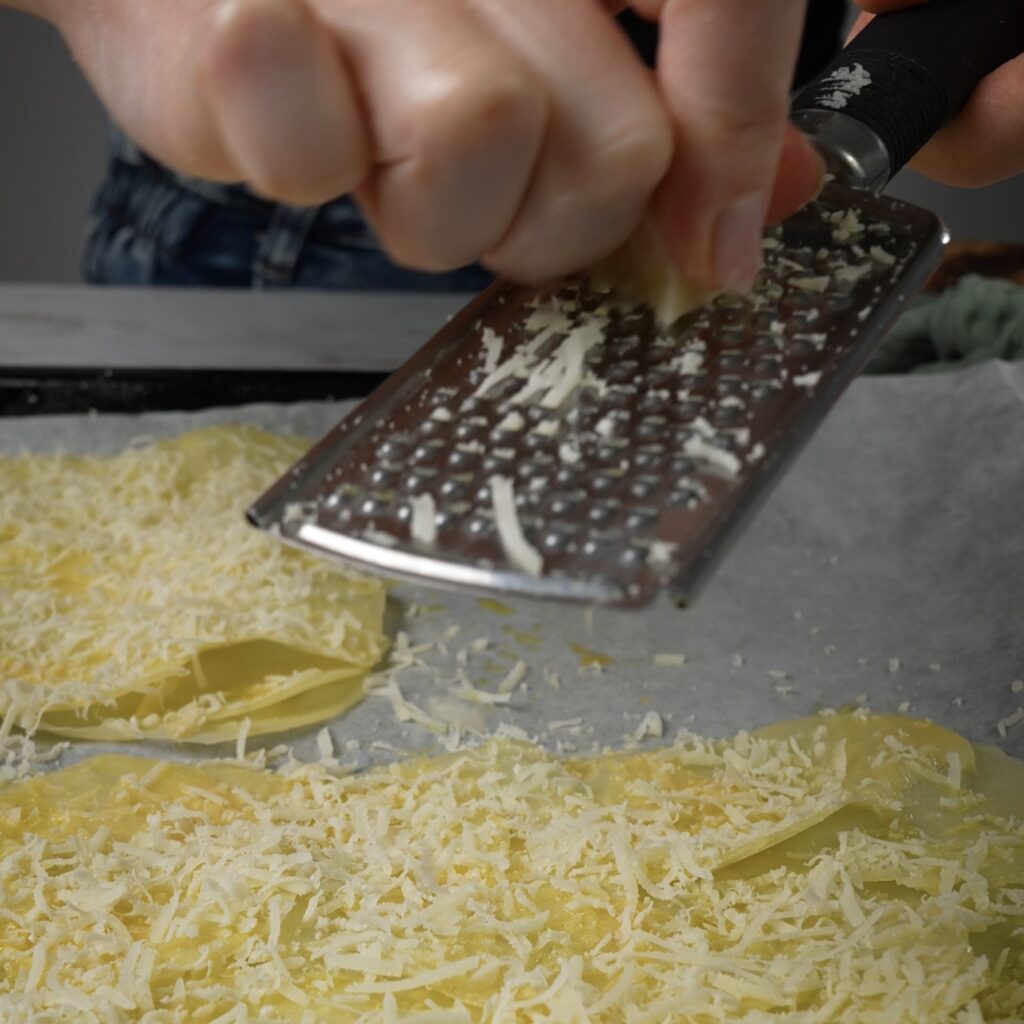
887	569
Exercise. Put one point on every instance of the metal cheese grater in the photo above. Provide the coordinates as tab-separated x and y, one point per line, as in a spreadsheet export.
561	443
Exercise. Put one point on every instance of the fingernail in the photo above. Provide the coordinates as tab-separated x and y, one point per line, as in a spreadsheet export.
737	252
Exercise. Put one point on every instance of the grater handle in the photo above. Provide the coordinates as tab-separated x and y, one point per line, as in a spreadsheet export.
901	79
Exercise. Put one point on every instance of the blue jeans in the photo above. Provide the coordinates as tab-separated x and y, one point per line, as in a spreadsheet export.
149	226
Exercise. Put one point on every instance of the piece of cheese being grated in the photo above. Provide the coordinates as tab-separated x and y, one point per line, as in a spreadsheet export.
643	271
136	602
830	869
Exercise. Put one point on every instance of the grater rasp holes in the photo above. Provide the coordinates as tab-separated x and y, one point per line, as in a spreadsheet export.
618	477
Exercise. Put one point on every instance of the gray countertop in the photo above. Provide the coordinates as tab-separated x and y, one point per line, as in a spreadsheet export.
55	326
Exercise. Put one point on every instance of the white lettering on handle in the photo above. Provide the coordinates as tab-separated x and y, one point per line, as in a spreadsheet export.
845	82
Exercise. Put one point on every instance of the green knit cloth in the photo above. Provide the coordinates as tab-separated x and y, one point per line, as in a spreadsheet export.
979	318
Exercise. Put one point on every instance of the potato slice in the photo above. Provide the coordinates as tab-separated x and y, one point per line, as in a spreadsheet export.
137	602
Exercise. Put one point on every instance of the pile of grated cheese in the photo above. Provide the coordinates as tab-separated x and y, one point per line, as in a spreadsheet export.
135	601
845	868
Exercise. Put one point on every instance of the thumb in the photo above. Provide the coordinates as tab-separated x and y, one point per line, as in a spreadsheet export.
798	177
724	67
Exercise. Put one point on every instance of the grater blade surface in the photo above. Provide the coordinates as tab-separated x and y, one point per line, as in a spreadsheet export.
633	452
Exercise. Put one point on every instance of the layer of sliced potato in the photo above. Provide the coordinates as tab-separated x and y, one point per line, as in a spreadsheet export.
844	868
136	602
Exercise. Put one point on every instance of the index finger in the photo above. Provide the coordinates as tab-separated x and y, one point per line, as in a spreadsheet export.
725	69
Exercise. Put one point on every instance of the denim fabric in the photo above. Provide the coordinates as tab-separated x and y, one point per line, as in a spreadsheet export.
149	226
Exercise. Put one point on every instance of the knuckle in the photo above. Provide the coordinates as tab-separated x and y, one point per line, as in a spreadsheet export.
456	112
508	97
240	37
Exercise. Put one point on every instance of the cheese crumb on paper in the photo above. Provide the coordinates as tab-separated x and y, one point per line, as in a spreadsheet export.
669	660
651	725
1004	725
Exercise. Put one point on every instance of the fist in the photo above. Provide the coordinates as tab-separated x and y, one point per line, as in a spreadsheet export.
527	133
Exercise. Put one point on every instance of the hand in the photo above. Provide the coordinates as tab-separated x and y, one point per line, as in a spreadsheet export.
984	143
526	133
725	70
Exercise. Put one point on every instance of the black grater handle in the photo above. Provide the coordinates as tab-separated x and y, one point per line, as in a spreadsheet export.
901	79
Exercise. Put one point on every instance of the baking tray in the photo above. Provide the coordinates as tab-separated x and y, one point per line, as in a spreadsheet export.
36	391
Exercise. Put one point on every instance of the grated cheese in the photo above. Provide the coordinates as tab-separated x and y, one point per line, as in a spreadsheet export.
572	724
423	525
688	363
512	422
811	284
807	380
697	447
21	758
778	876
651	724
1004	725
880	255
553	679
670	660
465	690
492	344
515	676
569	452
520	553
404	710
662	552
846	224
